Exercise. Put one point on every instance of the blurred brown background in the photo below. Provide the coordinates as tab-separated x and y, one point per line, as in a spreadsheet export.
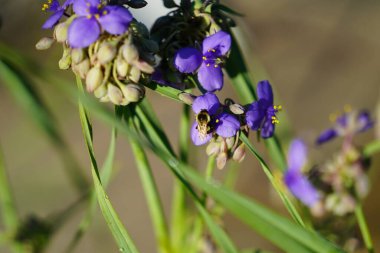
319	55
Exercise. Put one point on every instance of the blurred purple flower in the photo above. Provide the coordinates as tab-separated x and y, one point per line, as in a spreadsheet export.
261	114
94	16
348	123
208	62
209	119
297	183
58	11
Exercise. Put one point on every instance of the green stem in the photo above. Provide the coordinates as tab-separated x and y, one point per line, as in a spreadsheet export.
371	148
364	228
152	196
179	211
210	167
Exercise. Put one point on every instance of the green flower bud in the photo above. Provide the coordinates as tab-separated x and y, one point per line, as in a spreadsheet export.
134	74
44	43
77	55
236	109
82	68
106	53
122	67
65	61
239	153
101	91
130	53
187	98
133	92
144	67
94	78
114	93
221	160
60	32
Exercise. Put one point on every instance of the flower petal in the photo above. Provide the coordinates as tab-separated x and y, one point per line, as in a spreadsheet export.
54	6
220	41
210	77
81	7
301	188
227	125
116	21
208	102
364	121
267	129
254	116
327	135
67	3
297	155
53	20
264	91
197	138
187	59
83	32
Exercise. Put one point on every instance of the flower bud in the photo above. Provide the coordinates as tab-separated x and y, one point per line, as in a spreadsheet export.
94	78
60	32
134	74
65	61
133	92
114	93
187	98
130	53
236	109
144	67
223	146
212	148
82	68
122	67
106	53
239	153
104	99
44	43
77	55
230	142
221	160
101	91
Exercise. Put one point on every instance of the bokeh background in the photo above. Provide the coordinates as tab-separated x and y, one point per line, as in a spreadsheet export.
319	55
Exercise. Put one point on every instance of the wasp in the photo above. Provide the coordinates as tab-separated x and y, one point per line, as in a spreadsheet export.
203	119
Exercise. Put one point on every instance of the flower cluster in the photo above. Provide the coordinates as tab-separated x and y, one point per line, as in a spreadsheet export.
104	46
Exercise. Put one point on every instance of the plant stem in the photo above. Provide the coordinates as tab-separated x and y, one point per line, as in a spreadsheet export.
210	167
178	221
152	196
371	148
364	228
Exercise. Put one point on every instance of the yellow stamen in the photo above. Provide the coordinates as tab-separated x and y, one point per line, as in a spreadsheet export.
88	16
105	12
99	6
347	108
208	64
204	57
332	117
213	50
97	16
217	120
216	65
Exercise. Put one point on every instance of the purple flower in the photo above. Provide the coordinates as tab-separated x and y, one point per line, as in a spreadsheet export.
261	114
210	119
347	124
208	62
58	11
297	183
92	16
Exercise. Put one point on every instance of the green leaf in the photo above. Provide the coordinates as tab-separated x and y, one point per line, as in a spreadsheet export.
118	230
165	91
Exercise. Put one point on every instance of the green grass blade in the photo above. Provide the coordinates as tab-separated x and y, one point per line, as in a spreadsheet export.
25	94
165	91
118	230
288	204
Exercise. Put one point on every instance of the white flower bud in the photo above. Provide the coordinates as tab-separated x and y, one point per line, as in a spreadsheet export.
130	53
221	160
122	67
82	68
44	43
114	93
94	78
239	153
101	91
212	148
236	109
134	74
187	98
133	92
77	55
60	32
106	53
144	67
65	61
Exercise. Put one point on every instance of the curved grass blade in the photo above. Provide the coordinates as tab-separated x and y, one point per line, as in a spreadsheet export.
118	230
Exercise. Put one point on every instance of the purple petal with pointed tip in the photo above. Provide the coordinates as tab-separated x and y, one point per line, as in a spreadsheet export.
297	155
53	20
220	41
365	122
54	6
187	60
208	102
83	32
301	188
227	125
254	116
264	91
210	77
116	21
197	138
267	129
327	135
82	7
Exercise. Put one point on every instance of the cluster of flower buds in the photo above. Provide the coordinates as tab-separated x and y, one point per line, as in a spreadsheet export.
339	184
98	42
